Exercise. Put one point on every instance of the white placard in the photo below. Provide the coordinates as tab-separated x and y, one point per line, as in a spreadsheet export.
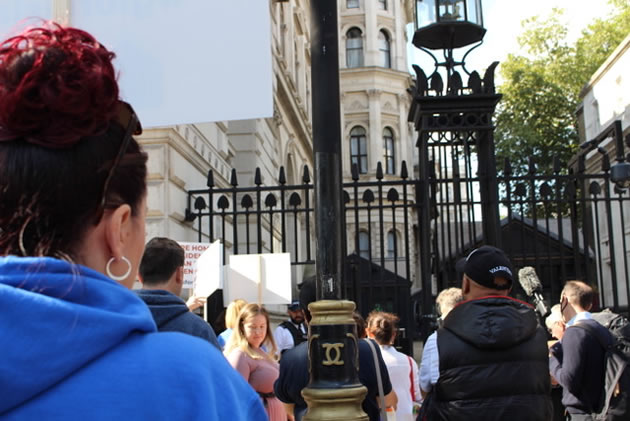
185	61
209	273
192	252
258	278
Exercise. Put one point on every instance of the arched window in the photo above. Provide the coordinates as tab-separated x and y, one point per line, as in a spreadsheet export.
354	48
382	4
364	245
384	47
358	149
352	4
389	153
391	244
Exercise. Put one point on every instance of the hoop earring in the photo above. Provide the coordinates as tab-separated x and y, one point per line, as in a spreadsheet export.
121	277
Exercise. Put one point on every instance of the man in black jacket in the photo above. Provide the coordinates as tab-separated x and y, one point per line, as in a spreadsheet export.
577	362
491	352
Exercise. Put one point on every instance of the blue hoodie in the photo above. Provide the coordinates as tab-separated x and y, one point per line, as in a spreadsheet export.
77	345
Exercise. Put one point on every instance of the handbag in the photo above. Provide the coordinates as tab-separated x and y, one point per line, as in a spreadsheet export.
379	380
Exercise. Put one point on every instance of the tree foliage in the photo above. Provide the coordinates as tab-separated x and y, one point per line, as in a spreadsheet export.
536	117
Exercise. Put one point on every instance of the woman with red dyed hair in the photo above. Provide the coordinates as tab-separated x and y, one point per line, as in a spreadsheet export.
76	342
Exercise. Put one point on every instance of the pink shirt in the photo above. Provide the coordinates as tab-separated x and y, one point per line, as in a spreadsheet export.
260	374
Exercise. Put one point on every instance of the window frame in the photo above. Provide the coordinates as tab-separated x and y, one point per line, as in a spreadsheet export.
358	135
390	159
385	48
364	252
354	54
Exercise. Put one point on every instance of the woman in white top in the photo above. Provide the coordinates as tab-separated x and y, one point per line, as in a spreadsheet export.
402	369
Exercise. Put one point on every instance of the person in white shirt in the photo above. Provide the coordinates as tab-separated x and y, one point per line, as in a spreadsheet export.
292	332
402	369
430	363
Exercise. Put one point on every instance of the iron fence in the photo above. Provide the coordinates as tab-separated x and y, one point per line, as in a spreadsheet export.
573	223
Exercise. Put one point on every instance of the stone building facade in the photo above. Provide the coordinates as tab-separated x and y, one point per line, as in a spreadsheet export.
374	78
606	99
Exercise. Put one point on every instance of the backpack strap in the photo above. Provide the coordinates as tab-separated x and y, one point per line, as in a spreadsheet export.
412	388
379	380
606	343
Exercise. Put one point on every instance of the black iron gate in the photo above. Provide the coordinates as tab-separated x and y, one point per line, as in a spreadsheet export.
409	231
379	267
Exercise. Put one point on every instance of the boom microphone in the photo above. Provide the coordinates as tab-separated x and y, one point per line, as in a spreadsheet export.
533	288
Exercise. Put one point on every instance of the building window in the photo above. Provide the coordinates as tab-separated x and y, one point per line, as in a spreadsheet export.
389	152
384	47
391	244
352	4
358	149
382	4
354	48
364	245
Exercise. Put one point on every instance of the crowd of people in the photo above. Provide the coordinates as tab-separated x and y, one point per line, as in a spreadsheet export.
80	344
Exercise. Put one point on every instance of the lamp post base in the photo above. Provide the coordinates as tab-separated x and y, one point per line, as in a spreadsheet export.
335	404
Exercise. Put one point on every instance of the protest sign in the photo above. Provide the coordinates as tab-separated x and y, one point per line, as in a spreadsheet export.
192	252
179	61
209	274
258	278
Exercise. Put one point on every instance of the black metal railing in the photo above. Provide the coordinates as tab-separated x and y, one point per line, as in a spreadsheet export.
573	223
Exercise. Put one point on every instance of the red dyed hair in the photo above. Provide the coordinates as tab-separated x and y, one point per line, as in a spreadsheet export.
63	161
57	85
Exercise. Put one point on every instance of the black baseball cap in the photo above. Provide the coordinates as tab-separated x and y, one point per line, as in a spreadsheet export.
294	306
485	264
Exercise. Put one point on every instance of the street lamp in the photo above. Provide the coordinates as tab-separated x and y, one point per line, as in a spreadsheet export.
448	24
452	116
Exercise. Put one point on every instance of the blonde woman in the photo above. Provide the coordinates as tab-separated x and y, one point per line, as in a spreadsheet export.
231	320
260	368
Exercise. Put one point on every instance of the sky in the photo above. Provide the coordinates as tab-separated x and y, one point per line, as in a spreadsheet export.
502	20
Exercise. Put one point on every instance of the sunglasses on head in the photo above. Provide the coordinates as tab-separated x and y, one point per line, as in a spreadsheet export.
128	120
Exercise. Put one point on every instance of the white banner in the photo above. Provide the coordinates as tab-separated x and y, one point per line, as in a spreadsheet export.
258	278
209	274
192	252
184	61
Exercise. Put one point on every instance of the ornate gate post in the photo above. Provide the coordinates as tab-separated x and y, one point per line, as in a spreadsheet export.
334	391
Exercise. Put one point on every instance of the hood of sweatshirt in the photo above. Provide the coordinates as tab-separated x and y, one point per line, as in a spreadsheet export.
164	305
57	317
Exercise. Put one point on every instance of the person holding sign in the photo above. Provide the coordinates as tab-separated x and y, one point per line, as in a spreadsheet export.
77	343
260	369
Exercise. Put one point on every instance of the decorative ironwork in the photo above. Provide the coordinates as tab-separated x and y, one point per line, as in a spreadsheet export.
566	225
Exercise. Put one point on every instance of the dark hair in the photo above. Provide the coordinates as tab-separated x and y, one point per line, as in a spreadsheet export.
360	322
308	294
577	292
59	138
382	325
162	257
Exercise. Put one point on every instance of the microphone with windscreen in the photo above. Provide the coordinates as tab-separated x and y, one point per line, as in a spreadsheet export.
533	288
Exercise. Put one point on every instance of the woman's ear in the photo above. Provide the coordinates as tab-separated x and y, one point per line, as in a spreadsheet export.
118	230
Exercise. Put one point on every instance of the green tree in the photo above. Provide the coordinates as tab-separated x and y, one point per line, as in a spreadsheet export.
536	117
